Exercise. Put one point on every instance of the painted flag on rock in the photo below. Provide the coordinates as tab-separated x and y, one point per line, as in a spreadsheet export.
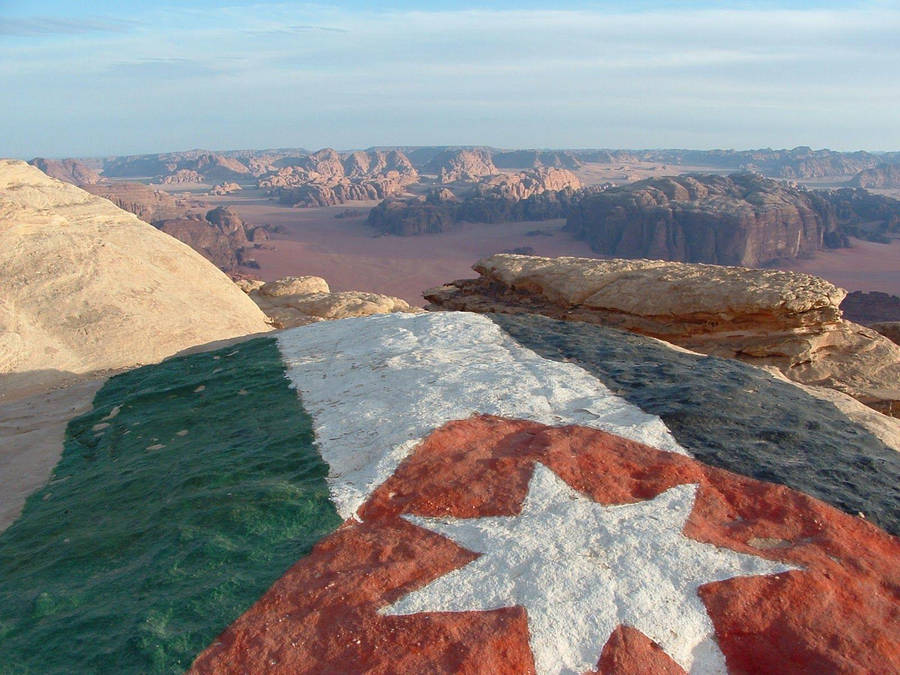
509	546
455	492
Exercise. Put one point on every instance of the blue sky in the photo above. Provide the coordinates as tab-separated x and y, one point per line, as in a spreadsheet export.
100	78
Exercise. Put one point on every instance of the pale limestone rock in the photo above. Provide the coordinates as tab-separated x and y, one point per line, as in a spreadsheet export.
294	286
765	317
86	286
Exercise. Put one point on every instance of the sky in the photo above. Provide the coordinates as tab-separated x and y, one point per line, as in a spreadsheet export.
109	78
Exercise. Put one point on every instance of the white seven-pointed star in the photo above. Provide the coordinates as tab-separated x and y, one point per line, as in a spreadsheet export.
580	569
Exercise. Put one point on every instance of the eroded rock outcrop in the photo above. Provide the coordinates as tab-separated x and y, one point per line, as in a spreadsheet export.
297	301
87	286
177	167
525	184
327	178
142	200
742	219
523	159
220	236
765	317
883	176
451	166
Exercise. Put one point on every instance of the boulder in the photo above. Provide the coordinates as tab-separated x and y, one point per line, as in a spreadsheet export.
765	317
294	286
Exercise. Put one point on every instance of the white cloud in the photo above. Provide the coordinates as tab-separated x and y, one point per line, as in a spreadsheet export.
313	75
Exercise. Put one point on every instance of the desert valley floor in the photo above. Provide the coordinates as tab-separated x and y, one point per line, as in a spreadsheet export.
330	243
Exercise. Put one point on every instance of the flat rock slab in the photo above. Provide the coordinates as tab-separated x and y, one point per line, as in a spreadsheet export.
732	416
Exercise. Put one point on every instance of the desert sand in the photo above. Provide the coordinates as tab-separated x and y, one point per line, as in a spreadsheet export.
866	266
347	254
32	428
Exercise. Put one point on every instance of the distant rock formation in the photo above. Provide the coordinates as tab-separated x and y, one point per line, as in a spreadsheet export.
297	301
538	194
177	167
451	166
221	236
406	217
742	219
327	178
87	286
797	163
524	184
882	176
868	307
765	317
225	189
890	329
142	200
525	159
68	170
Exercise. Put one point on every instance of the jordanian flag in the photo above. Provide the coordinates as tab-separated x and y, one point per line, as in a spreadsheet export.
455	492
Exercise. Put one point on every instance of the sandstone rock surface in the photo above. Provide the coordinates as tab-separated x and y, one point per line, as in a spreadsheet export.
142	200
765	317
87	286
294	286
890	329
297	301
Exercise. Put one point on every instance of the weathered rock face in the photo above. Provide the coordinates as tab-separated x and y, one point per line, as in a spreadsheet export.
143	201
220	237
883	176
765	317
68	170
297	301
742	219
461	165
87	286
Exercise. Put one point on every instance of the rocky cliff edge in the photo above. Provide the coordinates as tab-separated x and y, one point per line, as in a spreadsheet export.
765	317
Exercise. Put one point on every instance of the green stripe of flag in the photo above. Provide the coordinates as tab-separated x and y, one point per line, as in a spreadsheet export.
186	492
